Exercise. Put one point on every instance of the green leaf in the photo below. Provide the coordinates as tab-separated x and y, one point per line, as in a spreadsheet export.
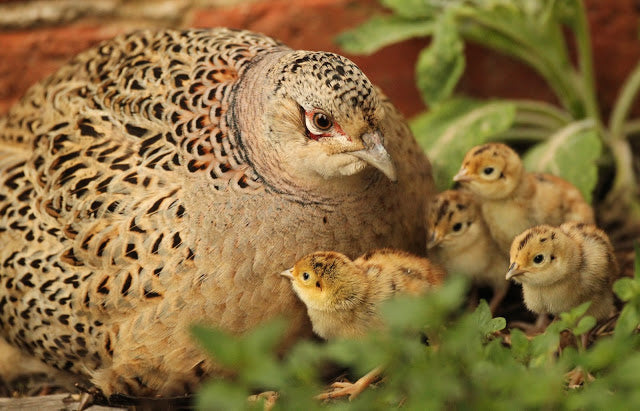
626	288
571	317
544	346
628	320
572	154
449	130
440	66
584	325
520	345
415	9
485	322
381	31
222	395
221	346
264	338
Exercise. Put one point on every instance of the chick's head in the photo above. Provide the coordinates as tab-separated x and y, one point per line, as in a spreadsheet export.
491	171
542	256
453	218
327	281
316	117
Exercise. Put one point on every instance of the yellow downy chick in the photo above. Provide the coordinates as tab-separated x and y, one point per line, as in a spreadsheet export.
512	199
562	267
343	296
460	241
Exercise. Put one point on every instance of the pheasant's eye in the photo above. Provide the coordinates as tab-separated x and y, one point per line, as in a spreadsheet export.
305	276
538	259
488	171
322	122
457	227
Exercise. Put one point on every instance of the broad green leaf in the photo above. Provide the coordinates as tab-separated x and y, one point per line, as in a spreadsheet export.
440	65
264	338
544	346
626	288
572	154
628	320
416	9
449	130
585	324
221	346
533	36
570	318
520	345
222	395
381	31
485	322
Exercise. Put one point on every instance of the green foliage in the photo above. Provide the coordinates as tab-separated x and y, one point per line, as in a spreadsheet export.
452	127
381	31
466	364
567	140
440	66
557	155
628	290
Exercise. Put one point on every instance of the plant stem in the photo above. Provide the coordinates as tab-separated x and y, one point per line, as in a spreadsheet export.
623	105
551	110
585	64
520	134
536	120
631	128
624	184
539	114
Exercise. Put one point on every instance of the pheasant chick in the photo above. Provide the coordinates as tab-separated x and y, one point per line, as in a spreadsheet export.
460	241
512	199
562	267
343	296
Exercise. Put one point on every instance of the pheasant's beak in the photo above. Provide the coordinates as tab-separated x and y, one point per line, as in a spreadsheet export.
288	273
434	239
462	176
375	154
514	271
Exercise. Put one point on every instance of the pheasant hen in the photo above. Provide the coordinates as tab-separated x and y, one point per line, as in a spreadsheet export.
167	177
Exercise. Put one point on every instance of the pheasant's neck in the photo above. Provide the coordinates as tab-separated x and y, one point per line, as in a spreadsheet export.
265	124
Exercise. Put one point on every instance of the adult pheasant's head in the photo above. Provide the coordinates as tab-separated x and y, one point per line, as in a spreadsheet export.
311	117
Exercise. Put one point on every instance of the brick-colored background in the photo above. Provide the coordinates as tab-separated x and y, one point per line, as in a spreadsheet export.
37	36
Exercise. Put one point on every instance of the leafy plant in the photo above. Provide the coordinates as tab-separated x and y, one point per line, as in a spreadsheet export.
468	362
567	140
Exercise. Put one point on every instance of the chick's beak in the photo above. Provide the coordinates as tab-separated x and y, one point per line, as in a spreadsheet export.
434	239
514	271
288	273
375	154
462	176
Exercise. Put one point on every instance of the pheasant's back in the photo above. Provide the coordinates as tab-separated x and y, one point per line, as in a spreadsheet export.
129	210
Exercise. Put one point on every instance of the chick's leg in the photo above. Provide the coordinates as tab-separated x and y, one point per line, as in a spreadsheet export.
498	296
344	388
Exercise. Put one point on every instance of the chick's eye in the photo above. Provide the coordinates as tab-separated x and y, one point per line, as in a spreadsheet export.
488	171
305	276
322	122
538	259
457	227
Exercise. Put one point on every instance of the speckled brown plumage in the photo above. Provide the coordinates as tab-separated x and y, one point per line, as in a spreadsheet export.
168	177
